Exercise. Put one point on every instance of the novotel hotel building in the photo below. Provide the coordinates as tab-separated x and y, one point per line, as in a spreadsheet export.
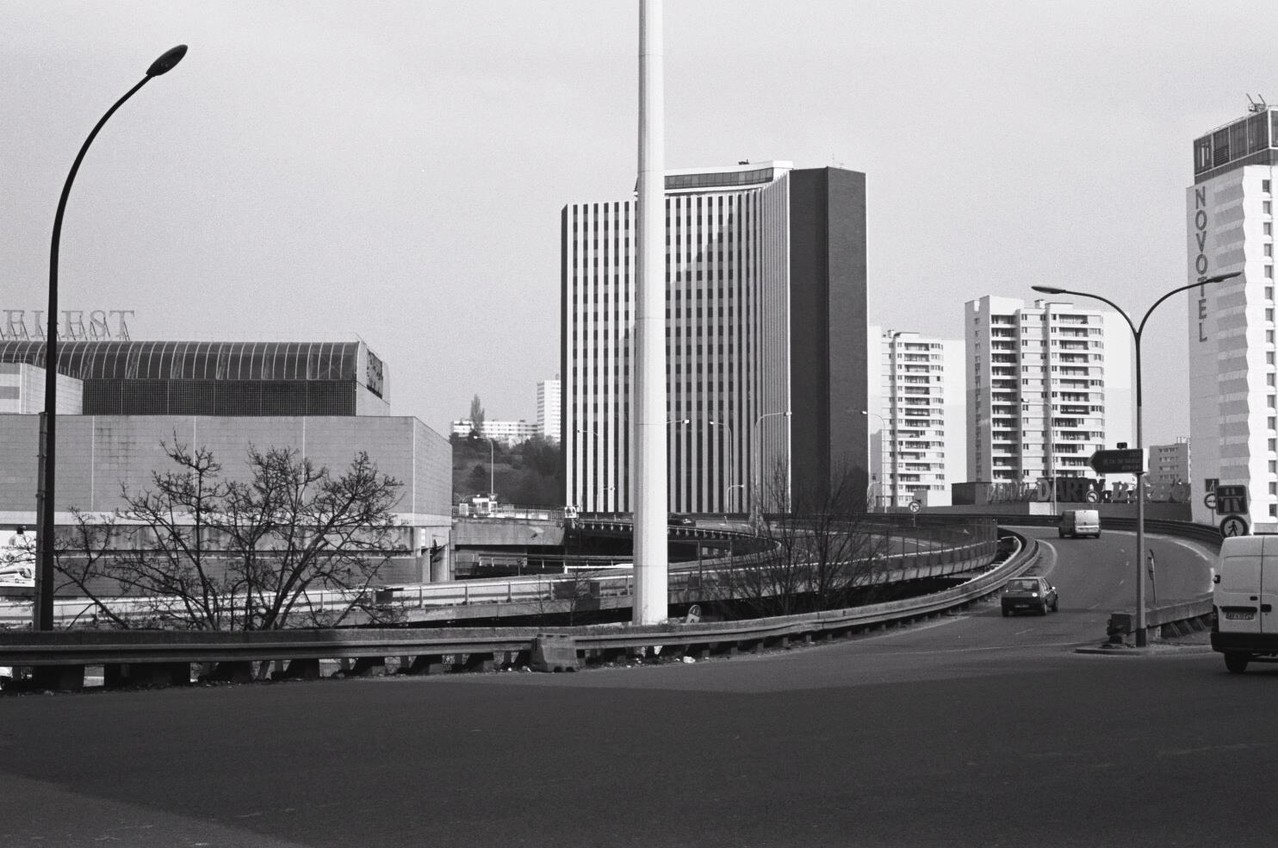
766	355
1229	210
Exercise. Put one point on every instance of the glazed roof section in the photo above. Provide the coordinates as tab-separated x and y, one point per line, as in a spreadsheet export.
1246	141
168	360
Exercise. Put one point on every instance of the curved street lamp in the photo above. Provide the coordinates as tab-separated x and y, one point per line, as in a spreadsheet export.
42	609
758	472
732	462
1137	332
883	431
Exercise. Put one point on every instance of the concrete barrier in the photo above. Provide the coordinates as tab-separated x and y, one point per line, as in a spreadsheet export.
554	652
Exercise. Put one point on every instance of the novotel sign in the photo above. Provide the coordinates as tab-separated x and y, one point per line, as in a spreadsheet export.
76	325
1199	224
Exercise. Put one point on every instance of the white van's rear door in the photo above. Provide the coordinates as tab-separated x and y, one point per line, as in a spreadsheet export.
1267	617
1237	595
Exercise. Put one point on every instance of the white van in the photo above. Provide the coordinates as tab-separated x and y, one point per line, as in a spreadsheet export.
1244	595
1080	522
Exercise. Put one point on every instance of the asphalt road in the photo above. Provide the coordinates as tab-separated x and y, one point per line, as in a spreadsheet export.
972	729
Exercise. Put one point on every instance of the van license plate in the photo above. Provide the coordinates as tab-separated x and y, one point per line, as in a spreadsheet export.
1240	615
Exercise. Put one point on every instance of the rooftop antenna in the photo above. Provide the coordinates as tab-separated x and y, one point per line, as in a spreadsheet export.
1257	105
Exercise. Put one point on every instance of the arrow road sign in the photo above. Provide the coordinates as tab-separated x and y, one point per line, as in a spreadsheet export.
1233	525
1126	461
1231	499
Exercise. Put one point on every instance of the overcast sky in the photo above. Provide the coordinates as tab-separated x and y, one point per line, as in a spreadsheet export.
316	170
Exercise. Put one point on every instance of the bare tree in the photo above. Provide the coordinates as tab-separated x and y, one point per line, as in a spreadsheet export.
826	553
292	545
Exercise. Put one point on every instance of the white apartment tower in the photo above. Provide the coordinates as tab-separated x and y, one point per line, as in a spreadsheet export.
1048	385
916	422
1233	420
549	423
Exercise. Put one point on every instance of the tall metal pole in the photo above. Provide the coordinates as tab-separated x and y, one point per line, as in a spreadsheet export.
1051	441
651	556
1142	637
42	608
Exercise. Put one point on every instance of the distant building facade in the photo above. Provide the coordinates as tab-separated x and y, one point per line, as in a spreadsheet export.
1169	464
765	338
509	433
549	409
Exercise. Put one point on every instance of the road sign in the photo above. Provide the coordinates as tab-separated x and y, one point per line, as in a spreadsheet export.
1231	499
1209	500
1233	525
915	506
1127	461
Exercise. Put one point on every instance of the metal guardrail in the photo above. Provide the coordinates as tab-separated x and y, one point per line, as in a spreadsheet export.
72	650
540	588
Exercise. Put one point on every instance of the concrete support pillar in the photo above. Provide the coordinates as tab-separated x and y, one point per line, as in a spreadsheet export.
651	557
302	670
369	667
63	678
428	664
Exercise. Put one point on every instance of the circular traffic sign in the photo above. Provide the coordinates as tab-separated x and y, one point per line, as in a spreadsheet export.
1092	497
1233	525
915	506
1209	500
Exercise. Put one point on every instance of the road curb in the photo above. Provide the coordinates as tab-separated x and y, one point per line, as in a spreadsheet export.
1149	650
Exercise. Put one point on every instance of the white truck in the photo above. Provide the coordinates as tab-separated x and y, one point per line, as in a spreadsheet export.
1245	593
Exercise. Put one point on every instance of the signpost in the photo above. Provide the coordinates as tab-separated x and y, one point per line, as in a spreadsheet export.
1125	461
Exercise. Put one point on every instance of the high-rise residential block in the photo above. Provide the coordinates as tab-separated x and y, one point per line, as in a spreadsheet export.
1048	384
765	339
917	426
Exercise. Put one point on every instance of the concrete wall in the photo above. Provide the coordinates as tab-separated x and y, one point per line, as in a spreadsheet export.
97	455
22	390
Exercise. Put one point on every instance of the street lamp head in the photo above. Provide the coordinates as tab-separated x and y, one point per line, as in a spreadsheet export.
1048	289
165	63
1221	277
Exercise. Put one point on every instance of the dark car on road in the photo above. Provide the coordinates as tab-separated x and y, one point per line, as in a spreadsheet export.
1029	594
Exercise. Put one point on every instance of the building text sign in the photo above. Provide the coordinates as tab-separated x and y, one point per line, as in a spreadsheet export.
76	325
